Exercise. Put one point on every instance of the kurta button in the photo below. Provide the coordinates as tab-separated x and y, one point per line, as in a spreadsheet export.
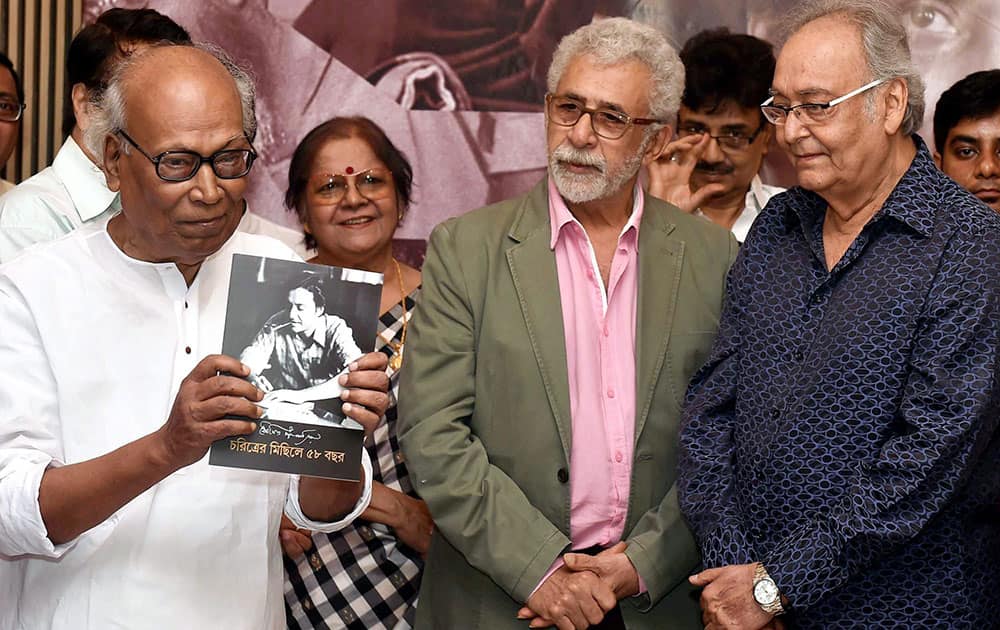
187	350
562	475
619	457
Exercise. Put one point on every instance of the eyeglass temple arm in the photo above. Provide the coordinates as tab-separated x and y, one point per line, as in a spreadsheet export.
853	93
839	99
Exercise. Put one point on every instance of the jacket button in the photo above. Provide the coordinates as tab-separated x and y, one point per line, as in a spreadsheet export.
562	475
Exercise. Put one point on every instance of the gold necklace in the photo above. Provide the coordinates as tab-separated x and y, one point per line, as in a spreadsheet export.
396	361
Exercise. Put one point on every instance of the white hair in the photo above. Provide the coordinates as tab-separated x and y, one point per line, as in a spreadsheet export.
614	40
884	40
107	106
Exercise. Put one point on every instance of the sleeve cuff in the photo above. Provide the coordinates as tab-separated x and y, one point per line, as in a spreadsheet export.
642	583
552	569
22	529
559	563
294	510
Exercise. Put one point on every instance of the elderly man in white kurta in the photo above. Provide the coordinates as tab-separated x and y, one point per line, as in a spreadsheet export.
112	391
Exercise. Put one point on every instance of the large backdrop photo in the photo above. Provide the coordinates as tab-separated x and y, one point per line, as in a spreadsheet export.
458	84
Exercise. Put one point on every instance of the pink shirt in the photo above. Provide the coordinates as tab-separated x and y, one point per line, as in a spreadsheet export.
600	362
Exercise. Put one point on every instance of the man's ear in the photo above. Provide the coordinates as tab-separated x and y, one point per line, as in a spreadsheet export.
112	153
655	147
937	160
81	105
896	95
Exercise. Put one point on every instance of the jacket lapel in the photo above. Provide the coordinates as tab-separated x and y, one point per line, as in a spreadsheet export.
533	269
660	264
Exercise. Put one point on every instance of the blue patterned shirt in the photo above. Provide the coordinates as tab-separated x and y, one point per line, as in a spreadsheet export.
844	431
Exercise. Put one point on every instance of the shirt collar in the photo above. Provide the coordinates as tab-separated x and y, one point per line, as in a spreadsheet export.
319	333
560	216
911	202
756	197
173	280
84	181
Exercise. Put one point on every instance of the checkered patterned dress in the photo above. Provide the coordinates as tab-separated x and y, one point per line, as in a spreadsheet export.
362	577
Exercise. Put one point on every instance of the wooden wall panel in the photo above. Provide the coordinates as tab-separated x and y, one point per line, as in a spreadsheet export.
35	34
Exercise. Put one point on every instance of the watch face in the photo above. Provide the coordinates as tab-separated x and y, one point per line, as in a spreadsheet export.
765	592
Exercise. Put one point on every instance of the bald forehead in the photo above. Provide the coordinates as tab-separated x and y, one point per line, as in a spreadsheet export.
182	83
161	64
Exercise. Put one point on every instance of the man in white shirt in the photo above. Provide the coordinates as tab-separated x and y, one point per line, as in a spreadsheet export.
712	168
73	191
11	108
113	390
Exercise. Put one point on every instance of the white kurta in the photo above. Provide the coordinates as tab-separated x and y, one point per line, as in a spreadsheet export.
93	347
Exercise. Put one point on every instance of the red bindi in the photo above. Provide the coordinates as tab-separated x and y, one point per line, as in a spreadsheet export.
349	169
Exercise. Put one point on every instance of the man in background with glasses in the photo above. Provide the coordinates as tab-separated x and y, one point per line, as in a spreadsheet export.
712	168
72	191
11	110
113	387
840	452
554	340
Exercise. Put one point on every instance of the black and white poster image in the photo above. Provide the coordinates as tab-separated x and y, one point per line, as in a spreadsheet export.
298	327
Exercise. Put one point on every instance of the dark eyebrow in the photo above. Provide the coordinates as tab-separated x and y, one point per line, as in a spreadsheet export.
600	105
964	139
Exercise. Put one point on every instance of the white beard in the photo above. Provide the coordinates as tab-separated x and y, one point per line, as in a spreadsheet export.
582	188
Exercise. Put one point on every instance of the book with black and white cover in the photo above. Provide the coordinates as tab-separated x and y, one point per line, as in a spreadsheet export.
297	327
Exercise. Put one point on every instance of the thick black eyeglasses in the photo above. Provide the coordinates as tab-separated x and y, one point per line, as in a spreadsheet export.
180	166
607	123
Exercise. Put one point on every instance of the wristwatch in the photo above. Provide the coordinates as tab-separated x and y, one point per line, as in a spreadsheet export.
765	592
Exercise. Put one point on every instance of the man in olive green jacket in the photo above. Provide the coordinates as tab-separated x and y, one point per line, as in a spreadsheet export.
488	404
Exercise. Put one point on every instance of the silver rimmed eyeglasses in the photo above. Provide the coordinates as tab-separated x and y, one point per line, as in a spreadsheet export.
811	112
180	166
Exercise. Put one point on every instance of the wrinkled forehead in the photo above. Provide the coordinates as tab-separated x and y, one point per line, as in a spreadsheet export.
824	57
621	85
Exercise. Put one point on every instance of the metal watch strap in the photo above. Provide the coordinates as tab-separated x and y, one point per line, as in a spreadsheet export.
772	608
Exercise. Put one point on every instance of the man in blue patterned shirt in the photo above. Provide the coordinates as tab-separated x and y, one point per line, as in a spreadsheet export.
840	457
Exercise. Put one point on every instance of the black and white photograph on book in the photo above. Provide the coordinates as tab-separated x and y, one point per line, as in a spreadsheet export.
298	327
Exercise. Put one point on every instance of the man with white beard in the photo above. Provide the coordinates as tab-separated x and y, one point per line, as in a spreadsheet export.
547	363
